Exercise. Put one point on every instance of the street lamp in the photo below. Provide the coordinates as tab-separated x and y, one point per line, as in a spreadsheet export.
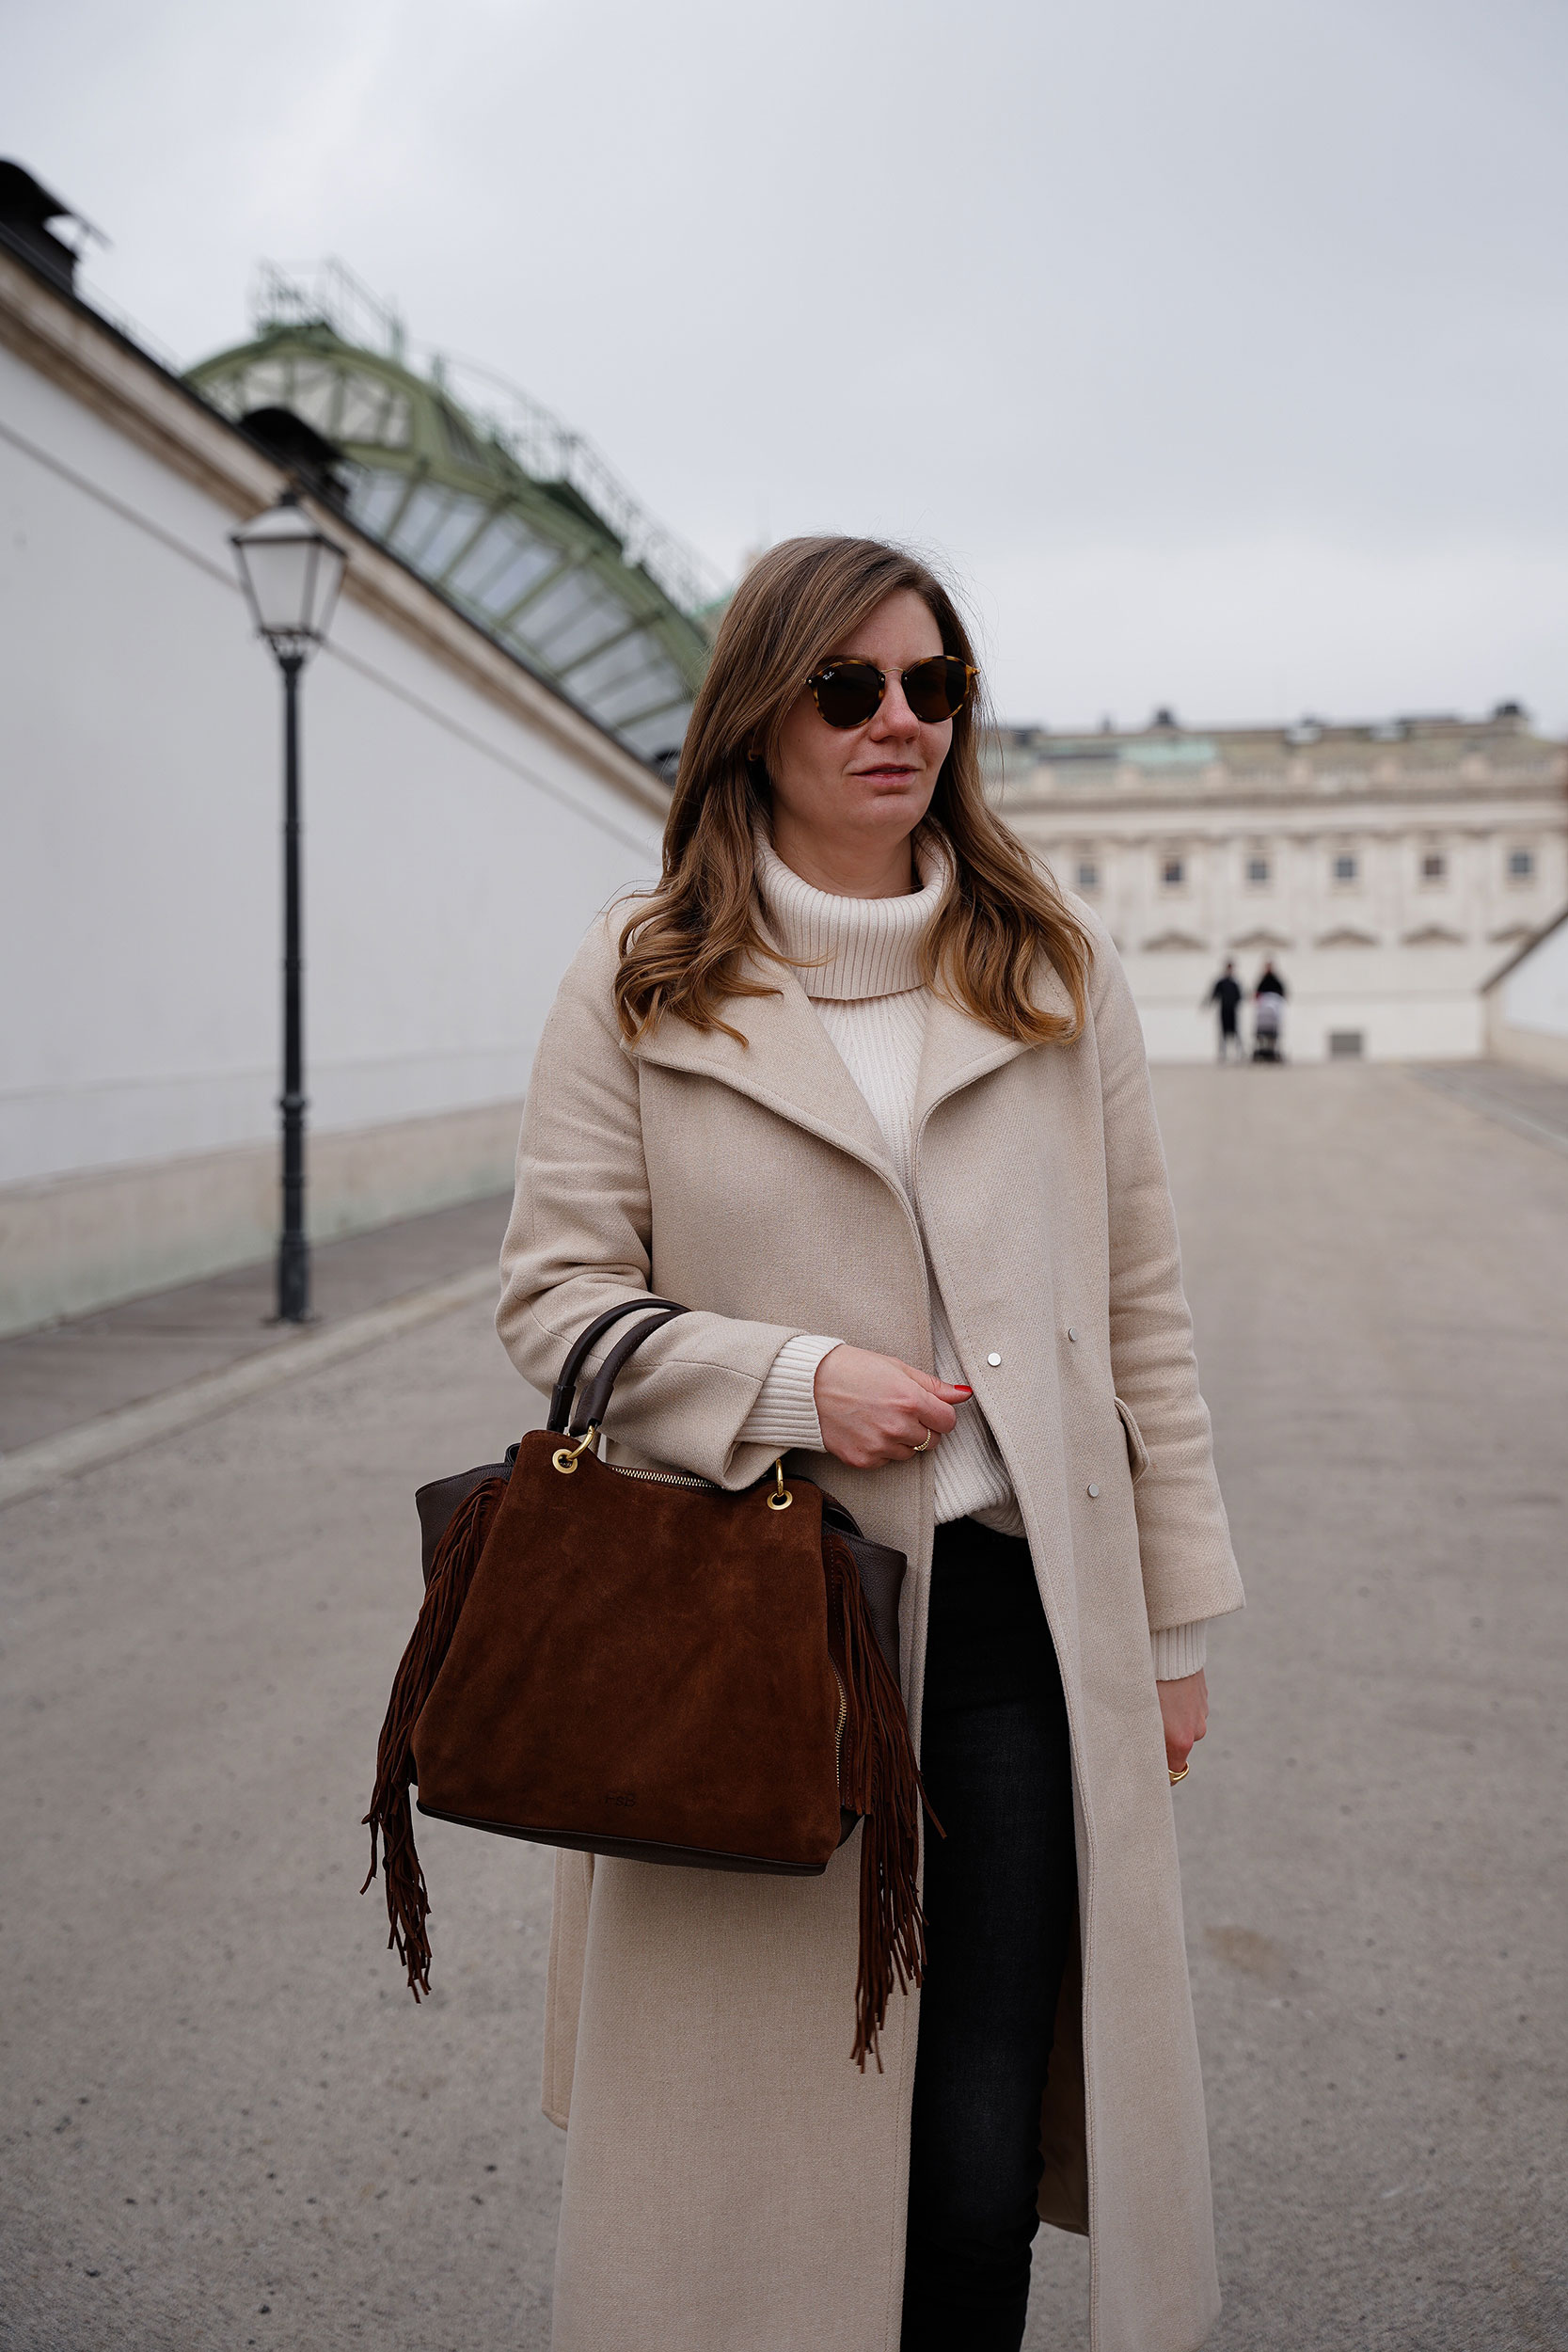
291	573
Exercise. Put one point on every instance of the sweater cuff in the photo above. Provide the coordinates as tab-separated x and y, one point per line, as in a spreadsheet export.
1180	1649
784	1414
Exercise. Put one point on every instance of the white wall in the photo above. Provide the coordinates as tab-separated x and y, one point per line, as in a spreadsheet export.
461	830
1526	1011
453	855
1535	993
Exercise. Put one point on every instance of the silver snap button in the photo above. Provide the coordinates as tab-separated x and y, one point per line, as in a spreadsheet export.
993	1357
1094	1490
1070	1332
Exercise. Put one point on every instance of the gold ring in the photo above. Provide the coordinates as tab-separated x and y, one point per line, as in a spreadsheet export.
924	1443
1178	1776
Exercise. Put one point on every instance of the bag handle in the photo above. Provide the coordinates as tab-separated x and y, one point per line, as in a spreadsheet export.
565	1388
592	1408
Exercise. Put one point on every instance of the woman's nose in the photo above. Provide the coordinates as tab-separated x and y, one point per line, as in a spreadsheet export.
893	716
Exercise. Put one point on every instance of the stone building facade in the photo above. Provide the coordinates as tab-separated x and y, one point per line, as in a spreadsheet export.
1386	870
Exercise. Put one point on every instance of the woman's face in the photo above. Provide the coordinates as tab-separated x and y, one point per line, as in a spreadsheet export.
864	786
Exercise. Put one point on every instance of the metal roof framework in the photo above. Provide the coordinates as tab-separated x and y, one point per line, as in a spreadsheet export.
518	522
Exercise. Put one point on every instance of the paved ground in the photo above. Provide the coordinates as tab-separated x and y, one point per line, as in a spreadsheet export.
1375	1862
1528	1101
52	1379
225	2124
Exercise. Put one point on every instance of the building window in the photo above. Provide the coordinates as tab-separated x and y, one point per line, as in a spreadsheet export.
1258	871
1088	874
1346	866
1521	866
1173	873
1434	866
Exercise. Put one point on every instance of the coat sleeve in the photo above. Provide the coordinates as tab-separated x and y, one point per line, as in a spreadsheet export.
1189	1568
580	1239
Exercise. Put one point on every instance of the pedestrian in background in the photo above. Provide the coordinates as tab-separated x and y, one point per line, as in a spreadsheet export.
1268	1015
1226	995
860	1087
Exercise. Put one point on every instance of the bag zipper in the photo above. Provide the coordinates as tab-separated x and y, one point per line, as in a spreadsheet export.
842	1718
664	1478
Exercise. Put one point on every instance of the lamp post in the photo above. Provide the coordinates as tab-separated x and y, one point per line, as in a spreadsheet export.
291	573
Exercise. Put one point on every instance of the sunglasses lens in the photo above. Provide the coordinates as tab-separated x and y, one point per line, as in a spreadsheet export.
848	692
936	689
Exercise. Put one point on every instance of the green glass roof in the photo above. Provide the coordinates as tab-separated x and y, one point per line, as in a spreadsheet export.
514	521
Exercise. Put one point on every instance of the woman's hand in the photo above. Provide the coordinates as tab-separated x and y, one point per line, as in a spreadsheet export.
875	1409
1185	1709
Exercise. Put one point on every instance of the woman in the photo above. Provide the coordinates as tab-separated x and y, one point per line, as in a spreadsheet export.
859	1085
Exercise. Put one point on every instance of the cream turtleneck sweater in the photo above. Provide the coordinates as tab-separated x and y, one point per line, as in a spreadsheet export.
859	961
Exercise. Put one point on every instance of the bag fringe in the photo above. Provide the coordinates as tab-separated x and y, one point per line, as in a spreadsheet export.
880	1779
391	1816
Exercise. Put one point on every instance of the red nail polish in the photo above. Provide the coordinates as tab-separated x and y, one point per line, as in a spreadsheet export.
963	1391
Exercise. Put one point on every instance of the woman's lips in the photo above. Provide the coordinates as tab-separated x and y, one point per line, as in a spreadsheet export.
888	775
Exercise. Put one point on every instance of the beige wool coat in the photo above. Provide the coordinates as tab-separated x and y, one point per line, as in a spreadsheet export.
732	2183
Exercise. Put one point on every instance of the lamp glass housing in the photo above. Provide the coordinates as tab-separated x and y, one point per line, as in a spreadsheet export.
291	573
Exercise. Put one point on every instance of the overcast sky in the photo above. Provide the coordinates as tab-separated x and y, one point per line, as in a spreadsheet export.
1220	349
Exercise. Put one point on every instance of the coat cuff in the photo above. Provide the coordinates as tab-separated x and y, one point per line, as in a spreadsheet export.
784	1414
1180	1649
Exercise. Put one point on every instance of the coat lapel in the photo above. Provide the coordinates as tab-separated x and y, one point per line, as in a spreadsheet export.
957	1050
960	1049
790	1065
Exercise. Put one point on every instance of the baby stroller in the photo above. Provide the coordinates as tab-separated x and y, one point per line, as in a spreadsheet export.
1268	1019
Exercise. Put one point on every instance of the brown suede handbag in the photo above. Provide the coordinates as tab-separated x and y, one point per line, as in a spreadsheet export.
638	1663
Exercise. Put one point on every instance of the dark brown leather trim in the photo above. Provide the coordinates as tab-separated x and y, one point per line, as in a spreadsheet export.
881	1574
439	1503
632	1849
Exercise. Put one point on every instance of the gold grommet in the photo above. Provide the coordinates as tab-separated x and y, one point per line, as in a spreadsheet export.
780	1498
565	1458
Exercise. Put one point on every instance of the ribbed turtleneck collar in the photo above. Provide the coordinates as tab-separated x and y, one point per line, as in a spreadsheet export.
845	948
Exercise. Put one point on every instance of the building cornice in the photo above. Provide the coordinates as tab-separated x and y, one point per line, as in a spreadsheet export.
1275	807
88	357
1304	835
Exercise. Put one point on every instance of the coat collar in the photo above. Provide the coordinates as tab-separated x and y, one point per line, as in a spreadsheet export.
791	1065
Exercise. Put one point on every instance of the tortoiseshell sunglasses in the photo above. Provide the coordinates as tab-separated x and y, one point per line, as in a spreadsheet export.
847	693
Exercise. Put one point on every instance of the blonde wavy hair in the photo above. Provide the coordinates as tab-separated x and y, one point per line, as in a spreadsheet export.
687	948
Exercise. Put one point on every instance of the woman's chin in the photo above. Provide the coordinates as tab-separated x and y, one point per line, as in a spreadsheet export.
890	808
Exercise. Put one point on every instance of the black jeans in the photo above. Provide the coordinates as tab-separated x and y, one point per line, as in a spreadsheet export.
1000	1893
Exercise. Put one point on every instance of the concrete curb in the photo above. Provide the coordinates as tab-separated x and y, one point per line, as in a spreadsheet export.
32	1468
